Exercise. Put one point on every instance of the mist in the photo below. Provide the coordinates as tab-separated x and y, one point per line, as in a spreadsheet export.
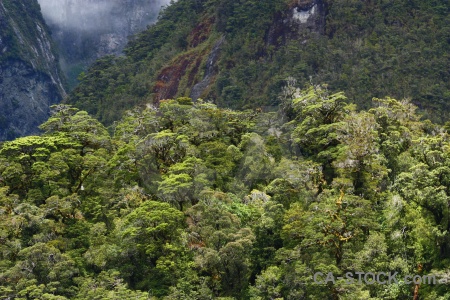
101	15
85	30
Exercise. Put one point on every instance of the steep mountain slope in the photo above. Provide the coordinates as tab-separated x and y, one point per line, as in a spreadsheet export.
189	200
89	29
30	80
239	54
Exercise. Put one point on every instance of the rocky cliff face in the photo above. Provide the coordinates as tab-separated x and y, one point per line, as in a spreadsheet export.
86	30
302	18
30	80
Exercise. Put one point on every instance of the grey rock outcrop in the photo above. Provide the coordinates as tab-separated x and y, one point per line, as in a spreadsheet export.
305	17
210	71
86	30
30	79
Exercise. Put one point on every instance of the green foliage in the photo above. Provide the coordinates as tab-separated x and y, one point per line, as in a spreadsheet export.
151	238
366	49
23	24
190	201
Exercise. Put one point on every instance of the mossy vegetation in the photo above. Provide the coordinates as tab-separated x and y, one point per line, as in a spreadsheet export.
22	27
365	48
192	201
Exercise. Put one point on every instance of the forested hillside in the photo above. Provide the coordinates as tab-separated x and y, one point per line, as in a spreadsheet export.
238	54
190	201
243	150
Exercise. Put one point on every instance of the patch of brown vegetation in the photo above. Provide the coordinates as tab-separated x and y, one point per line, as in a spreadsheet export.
194	71
168	80
200	33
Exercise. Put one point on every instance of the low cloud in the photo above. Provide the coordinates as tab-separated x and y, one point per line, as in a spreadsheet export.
101	15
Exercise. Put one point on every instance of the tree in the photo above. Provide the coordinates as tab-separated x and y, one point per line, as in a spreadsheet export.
107	285
164	148
42	268
23	157
221	244
184	182
328	232
398	124
359	164
426	182
78	125
319	116
255	164
152	254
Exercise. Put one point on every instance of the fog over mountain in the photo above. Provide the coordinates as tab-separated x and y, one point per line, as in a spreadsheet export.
100	15
88	29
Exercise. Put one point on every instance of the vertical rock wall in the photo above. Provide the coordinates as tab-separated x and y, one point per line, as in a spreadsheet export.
30	79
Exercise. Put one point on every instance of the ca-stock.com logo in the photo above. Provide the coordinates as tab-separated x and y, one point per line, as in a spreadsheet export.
374	277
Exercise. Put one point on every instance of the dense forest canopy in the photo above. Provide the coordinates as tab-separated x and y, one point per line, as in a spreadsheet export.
191	201
236	151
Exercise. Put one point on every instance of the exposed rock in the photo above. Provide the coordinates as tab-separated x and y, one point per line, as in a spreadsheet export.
303	18
30	79
25	97
200	87
86	30
168	80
